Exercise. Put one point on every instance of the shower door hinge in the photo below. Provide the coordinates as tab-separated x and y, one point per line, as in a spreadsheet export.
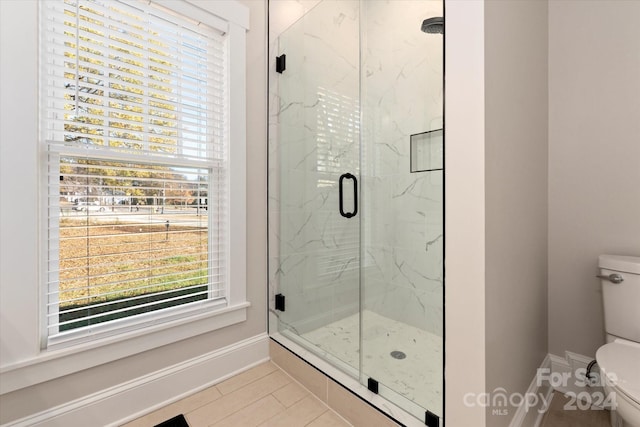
431	419
280	302
281	63
372	385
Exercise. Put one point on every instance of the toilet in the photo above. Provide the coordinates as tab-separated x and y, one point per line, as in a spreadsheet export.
619	359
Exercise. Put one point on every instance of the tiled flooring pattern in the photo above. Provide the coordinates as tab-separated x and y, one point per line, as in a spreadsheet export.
557	416
417	377
338	398
262	396
265	396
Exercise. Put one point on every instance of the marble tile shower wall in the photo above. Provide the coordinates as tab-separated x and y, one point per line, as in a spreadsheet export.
402	95
395	76
315	137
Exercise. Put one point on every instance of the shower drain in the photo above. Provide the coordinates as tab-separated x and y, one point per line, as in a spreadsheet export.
398	354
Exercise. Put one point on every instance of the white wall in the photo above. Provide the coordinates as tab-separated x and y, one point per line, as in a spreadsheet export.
19	293
594	160
464	211
516	196
19	319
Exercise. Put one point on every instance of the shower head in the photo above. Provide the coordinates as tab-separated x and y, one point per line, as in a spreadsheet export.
433	25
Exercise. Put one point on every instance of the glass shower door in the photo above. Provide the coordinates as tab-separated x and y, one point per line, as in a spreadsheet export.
402	224
318	136
356	194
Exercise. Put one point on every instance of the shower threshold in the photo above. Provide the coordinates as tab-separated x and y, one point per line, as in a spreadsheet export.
413	383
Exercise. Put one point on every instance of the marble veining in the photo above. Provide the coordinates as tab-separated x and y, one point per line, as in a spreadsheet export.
417	377
401	96
342	106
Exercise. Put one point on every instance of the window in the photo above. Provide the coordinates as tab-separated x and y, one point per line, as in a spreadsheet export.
136	108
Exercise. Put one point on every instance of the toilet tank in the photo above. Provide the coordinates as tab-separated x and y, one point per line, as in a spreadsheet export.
621	300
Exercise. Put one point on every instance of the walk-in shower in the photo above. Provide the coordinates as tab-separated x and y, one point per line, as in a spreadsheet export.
356	179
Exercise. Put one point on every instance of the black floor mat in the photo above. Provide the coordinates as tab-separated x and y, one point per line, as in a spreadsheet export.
178	421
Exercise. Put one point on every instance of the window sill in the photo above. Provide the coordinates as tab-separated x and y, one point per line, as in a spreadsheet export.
51	364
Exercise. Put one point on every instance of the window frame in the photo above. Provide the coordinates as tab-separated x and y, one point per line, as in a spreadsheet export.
169	325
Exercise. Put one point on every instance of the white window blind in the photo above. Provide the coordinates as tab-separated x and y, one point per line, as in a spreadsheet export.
134	127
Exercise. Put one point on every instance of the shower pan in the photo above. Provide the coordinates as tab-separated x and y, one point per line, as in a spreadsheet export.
356	179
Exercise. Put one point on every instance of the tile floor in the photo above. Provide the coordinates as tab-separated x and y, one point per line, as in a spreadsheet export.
265	396
348	405
262	396
557	416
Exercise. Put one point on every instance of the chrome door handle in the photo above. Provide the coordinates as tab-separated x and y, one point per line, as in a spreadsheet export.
613	278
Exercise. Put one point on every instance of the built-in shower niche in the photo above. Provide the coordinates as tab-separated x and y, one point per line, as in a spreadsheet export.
427	150
360	79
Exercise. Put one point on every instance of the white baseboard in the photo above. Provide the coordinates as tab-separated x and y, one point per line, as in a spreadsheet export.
135	398
561	374
531	416
571	368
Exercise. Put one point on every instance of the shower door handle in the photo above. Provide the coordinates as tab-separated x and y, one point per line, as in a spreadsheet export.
355	195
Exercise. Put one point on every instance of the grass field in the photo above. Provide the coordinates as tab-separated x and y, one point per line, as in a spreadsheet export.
110	269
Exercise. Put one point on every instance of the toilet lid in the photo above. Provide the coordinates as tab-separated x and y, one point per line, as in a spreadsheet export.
621	363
